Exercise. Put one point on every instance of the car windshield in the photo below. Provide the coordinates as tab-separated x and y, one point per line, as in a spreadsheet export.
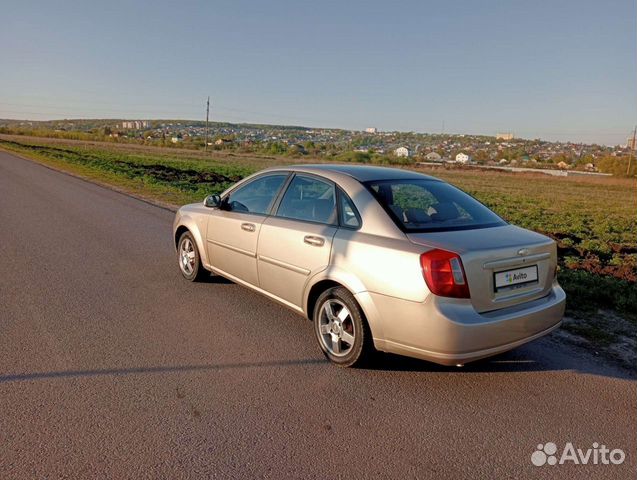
422	205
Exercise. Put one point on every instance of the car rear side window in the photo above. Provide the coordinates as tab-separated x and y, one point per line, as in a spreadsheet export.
422	205
309	199
348	214
257	195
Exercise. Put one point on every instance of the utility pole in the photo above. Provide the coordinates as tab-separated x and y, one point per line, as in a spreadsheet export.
632	151
581	152
205	147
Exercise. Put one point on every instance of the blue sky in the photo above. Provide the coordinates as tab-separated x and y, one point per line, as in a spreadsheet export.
559	70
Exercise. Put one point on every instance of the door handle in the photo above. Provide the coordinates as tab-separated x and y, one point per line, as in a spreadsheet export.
314	241
248	227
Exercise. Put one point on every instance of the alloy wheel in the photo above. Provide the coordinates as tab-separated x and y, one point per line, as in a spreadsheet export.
187	257
336	327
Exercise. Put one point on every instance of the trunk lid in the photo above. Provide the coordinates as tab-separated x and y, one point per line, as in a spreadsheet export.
499	262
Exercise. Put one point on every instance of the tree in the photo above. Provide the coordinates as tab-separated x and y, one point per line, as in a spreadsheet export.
616	165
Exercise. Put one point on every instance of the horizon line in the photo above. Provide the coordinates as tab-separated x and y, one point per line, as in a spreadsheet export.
321	128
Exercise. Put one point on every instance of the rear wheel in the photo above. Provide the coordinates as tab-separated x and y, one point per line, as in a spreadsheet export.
341	329
189	260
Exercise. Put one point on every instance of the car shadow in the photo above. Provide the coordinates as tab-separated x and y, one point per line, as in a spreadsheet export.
216	279
500	364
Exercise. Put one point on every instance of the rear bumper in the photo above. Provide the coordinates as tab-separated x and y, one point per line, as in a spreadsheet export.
449	331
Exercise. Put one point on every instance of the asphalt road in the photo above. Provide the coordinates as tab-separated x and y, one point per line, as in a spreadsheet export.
113	366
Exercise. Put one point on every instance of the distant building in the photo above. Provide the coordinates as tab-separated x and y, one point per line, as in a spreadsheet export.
630	143
136	124
433	157
589	167
176	139
371	130
563	166
402	152
504	136
463	158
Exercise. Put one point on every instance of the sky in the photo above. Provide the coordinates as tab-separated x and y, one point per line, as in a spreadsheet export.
557	70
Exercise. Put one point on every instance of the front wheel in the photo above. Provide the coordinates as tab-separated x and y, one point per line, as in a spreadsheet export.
341	329
189	260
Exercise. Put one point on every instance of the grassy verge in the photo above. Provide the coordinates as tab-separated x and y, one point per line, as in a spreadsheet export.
593	220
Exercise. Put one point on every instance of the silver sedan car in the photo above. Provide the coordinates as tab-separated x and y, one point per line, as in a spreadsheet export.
379	259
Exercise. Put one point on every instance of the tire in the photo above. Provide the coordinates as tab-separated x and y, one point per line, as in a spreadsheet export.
343	336
189	259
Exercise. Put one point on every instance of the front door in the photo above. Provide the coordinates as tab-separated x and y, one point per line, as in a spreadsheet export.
233	230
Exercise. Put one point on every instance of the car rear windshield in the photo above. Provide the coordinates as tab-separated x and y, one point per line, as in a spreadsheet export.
422	205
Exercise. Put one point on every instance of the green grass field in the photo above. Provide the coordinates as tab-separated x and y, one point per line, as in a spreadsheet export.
593	219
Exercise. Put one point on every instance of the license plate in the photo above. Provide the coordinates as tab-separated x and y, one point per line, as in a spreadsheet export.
516	278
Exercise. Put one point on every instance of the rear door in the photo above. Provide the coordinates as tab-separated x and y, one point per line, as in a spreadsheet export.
233	229
296	242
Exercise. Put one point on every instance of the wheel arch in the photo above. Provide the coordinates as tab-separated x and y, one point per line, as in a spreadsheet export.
181	229
315	292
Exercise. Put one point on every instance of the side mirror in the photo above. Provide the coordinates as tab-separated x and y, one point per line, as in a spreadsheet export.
212	201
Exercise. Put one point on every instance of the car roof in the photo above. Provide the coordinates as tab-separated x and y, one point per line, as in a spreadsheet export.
362	173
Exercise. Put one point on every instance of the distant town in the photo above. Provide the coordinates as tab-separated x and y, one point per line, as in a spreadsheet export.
502	149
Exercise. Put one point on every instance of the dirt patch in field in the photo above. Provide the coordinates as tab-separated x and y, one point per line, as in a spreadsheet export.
592	264
623	249
595	262
168	174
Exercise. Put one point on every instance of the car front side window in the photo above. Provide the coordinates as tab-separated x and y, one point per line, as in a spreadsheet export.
256	196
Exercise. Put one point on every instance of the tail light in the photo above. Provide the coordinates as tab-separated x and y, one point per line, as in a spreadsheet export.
444	274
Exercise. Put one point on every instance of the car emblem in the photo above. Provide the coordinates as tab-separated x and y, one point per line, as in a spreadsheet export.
523	251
